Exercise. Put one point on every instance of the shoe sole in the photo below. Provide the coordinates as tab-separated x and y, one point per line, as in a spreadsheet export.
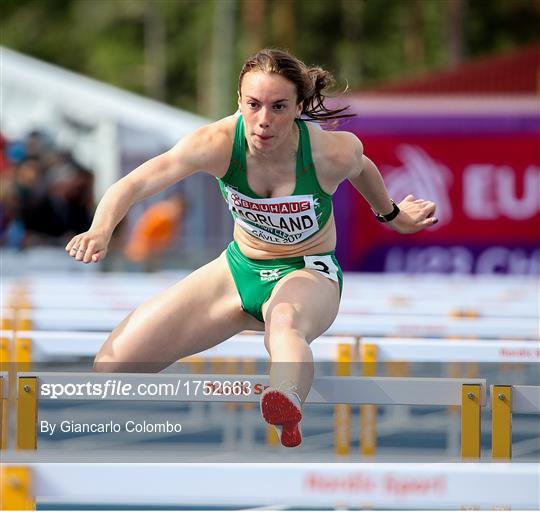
277	409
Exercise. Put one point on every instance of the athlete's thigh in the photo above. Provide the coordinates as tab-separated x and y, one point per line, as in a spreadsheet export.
196	313
314	298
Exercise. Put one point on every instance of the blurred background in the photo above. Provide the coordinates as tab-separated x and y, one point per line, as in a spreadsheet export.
446	94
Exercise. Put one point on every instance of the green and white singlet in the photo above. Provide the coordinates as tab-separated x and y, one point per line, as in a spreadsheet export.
283	220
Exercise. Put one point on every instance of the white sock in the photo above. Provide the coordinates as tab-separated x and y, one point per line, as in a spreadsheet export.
295	399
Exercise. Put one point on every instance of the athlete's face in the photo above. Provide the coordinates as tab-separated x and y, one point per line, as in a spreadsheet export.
268	105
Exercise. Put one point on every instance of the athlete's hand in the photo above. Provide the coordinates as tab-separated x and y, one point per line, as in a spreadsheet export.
89	247
414	215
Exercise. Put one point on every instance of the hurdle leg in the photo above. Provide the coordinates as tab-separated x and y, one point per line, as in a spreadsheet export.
342	412
453	433
368	412
23	351
7	320
27	413
501	422
16	488
4	352
23	320
3	416
470	421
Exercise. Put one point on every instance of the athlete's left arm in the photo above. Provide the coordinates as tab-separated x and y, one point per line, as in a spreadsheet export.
414	215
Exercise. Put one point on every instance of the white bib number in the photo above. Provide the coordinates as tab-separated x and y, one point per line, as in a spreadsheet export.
324	265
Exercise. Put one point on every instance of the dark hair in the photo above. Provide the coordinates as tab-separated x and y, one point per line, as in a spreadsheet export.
311	83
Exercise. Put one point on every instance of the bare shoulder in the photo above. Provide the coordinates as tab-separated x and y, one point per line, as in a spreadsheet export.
209	147
335	154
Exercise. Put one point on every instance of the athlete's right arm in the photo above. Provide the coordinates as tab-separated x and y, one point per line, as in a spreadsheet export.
205	149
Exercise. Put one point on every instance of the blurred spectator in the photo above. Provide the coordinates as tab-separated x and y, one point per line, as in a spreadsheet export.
46	196
3	157
155	231
38	143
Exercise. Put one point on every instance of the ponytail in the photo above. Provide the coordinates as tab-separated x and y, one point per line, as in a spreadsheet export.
311	84
314	107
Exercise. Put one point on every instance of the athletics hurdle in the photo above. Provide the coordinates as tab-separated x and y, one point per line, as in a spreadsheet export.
42	346
16	487
469	394
242	486
344	325
3	410
56	345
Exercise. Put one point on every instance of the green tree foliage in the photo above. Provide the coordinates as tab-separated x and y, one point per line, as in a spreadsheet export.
168	48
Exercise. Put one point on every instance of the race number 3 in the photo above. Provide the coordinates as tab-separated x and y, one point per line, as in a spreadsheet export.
322	264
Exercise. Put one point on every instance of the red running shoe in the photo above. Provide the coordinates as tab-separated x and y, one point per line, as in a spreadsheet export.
277	408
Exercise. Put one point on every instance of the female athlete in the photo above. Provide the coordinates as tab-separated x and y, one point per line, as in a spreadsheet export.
279	275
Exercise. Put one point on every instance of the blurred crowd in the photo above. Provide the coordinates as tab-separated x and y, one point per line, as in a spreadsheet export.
46	196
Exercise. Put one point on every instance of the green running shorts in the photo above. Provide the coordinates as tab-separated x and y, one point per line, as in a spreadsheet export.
255	279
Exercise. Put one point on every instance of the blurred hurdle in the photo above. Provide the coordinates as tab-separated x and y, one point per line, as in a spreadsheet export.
17	487
42	346
472	306
342	411
368	412
456	307
402	351
3	410
369	293
376	325
57	345
243	486
243	350
453	307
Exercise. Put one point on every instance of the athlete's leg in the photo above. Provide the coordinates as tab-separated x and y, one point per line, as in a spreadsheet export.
197	313
302	306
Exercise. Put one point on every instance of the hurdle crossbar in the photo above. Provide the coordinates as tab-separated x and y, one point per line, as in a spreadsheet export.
526	399
382	485
220	388
344	325
34	386
54	345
